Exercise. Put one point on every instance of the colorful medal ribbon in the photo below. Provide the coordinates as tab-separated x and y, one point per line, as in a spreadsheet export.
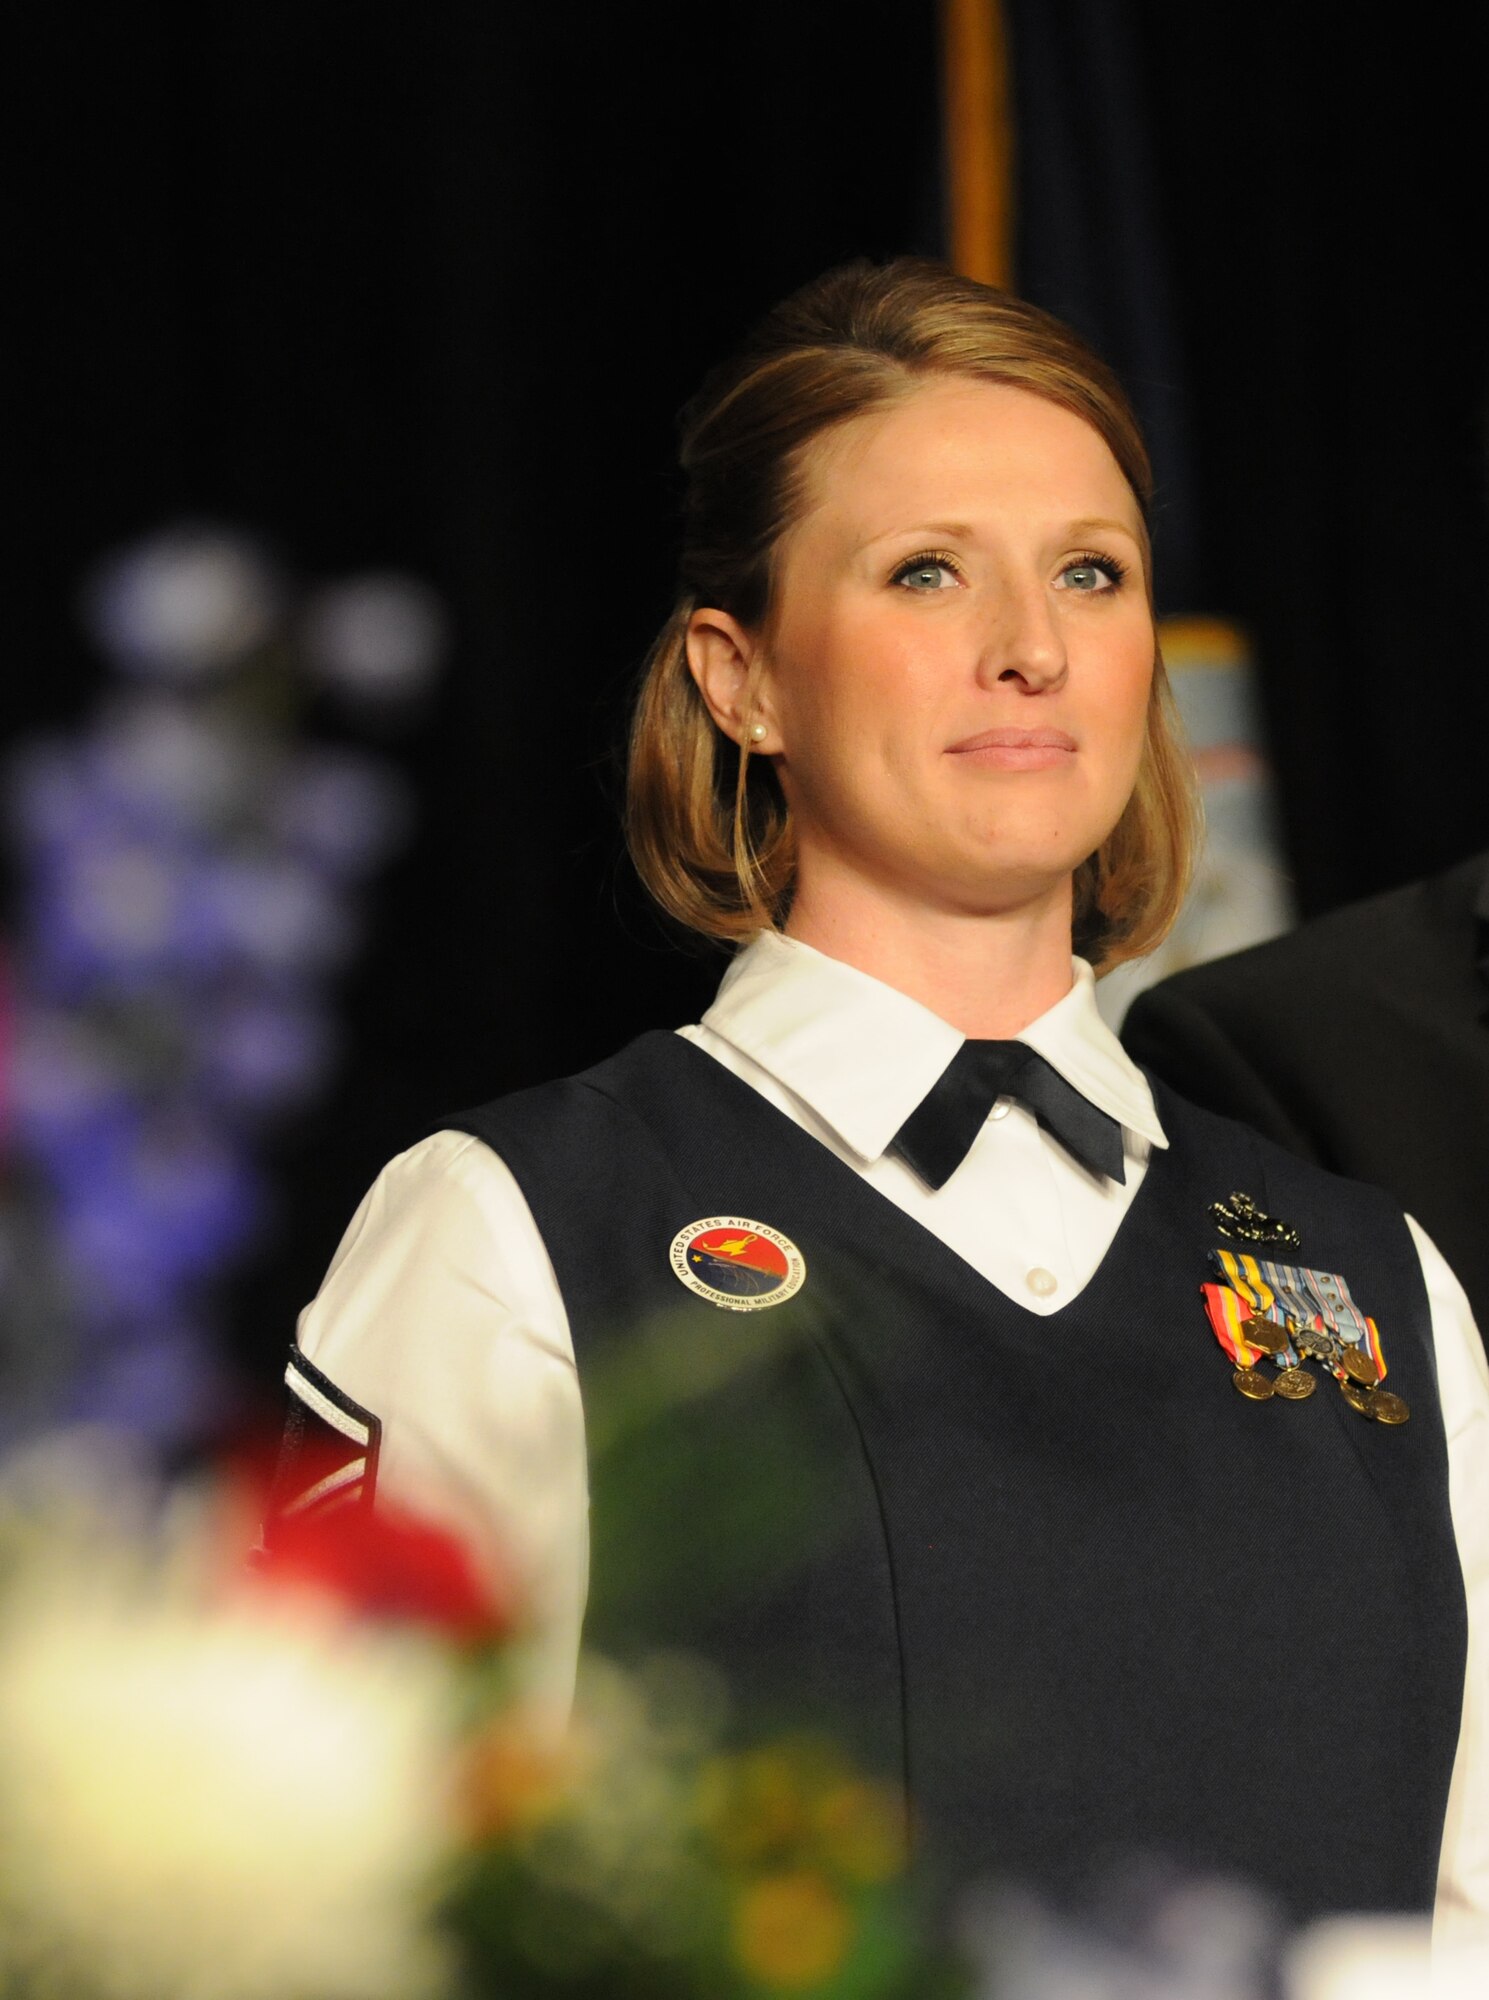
1249	1285
1293	1314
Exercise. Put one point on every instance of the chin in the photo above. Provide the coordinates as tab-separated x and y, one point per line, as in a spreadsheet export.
988	885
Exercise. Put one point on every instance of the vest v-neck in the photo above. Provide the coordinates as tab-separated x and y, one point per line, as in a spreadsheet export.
779	1129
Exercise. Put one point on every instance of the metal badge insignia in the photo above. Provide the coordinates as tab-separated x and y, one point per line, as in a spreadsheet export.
1316	1344
737	1263
1239	1218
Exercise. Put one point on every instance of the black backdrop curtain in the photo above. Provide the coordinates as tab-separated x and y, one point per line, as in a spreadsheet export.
424	287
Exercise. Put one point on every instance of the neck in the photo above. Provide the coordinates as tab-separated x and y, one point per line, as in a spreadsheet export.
989	973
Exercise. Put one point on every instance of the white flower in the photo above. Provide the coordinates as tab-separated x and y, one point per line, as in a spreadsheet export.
211	1803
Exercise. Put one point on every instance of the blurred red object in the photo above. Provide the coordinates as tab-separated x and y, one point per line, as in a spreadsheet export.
375	1561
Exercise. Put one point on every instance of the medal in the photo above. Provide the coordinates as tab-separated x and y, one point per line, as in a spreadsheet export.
1386	1408
1295	1385
1253	1384
1266	1334
1381	1404
1290	1316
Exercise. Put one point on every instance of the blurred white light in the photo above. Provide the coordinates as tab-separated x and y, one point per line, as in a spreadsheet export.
379	639
182	606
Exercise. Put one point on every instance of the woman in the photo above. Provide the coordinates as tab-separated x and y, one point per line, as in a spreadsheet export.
908	1250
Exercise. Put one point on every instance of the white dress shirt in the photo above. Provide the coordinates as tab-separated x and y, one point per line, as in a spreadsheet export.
442	1315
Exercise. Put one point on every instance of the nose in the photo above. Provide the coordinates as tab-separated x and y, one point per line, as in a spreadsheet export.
1023	644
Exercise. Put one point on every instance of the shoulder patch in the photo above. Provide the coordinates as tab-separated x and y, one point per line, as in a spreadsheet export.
328	1459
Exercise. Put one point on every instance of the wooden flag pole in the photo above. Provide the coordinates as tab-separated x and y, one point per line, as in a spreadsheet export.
978	125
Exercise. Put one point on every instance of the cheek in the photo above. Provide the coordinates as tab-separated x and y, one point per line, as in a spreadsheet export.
843	683
1127	687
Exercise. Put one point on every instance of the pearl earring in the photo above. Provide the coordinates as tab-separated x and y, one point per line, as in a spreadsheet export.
758	732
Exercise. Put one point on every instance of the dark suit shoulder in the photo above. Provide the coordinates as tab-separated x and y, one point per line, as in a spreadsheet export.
1217	1131
1385	942
1361	1043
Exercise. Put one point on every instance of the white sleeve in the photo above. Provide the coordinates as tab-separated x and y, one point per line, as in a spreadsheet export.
1461	1921
441	1315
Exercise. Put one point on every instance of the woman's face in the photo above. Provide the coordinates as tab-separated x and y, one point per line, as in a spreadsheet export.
956	683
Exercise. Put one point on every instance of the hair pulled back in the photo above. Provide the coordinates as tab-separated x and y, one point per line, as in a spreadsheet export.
708	828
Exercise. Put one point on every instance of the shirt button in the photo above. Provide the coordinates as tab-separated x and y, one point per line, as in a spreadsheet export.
1041	1282
1002	1108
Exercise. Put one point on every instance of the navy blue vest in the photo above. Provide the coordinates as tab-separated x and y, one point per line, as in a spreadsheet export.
1050	1572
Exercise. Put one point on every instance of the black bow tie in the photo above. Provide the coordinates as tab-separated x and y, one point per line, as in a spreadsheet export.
937	1137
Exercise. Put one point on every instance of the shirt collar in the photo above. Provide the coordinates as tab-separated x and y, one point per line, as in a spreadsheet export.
862	1056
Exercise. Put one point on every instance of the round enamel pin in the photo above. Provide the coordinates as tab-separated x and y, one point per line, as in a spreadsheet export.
736	1263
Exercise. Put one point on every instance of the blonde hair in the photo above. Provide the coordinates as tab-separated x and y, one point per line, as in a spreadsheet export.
707	826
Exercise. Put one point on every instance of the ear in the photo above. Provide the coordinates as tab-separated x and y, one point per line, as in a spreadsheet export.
721	656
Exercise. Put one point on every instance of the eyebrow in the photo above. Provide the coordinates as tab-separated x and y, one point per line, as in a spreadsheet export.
1101	522
959	531
953	531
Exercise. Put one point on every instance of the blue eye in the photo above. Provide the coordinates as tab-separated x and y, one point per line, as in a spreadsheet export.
1090	574
925	574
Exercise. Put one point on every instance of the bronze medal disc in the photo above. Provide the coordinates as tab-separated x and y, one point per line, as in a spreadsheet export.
1252	1384
1360	1366
1265	1334
1387	1408
1296	1384
1356	1395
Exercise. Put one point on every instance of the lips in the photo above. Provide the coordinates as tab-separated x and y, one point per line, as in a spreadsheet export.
1053	741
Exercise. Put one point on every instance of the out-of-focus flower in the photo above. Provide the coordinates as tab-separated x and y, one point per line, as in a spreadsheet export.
204	1800
189	881
47	794
261	1053
160	1378
343	811
378	639
792	1929
800	1800
170	768
271	912
67	1077
169	1202
119	904
514	1774
184	605
380	1564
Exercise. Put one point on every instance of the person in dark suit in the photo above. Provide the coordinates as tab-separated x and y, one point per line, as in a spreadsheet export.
1360	1042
